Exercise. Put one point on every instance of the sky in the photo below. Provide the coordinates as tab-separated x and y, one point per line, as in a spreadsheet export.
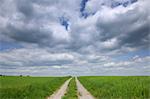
74	37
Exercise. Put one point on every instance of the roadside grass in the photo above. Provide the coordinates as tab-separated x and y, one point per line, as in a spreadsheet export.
71	91
118	87
15	87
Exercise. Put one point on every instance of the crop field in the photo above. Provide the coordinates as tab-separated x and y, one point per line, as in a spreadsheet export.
71	91
118	87
15	87
100	87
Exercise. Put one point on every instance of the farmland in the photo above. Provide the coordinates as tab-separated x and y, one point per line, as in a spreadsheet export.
71	91
15	87
100	87
118	87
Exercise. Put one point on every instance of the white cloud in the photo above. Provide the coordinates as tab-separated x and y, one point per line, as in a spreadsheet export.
111	43
59	32
89	46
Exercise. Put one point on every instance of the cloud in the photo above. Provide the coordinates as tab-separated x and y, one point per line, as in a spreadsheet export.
82	35
43	62
34	57
130	31
25	7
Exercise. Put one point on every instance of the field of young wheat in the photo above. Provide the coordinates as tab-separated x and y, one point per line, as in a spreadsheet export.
118	87
100	87
15	87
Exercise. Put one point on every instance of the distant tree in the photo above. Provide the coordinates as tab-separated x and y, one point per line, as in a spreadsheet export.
20	75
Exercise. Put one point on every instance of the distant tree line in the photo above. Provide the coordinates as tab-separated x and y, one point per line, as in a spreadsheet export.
19	75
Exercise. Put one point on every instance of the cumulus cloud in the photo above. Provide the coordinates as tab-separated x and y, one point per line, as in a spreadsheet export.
130	31
31	57
73	35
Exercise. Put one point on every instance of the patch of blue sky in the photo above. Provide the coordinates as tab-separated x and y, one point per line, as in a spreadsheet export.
9	45
65	22
83	4
133	1
123	3
129	55
115	4
82	8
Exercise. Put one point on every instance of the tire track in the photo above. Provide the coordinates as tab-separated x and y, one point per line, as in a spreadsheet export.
82	92
60	93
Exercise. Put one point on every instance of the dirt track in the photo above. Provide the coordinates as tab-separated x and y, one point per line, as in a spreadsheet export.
59	93
82	92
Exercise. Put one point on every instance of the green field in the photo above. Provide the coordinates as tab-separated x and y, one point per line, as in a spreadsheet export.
71	91
101	87
118	87
15	87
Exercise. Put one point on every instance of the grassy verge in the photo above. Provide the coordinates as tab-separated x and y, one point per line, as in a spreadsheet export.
118	87
14	87
71	91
